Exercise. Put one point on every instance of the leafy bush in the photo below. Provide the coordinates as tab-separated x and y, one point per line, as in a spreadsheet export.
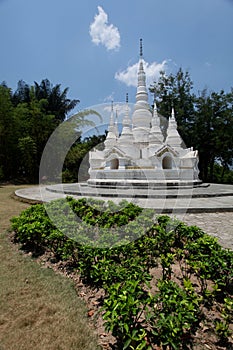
32	227
123	309
175	313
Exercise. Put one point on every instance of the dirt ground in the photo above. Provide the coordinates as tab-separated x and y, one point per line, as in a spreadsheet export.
39	309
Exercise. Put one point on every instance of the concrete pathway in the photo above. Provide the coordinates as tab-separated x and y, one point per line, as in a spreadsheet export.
218	224
210	198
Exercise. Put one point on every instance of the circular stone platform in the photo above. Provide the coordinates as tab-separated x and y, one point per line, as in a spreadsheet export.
206	198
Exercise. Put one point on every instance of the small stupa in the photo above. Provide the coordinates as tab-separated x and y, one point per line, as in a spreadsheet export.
140	156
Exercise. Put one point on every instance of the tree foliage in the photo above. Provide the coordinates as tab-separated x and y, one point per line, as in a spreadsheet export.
205	121
28	117
213	130
75	167
7	127
57	103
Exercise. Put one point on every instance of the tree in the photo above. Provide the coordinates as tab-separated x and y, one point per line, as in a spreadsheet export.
27	119
7	134
63	152
28	150
22	93
33	128
213	130
204	122
58	103
71	169
176	91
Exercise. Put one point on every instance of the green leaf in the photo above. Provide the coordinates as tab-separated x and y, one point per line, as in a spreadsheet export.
127	343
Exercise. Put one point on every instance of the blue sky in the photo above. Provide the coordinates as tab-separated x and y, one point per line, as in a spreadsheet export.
92	46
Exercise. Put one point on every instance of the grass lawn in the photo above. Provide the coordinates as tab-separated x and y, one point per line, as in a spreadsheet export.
39	310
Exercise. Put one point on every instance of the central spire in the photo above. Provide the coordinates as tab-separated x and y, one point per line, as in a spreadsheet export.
141	73
142	94
141	116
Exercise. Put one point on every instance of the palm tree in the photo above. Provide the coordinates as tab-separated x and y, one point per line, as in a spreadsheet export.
57	103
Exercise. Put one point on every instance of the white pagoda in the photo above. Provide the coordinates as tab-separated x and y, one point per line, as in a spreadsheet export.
140	156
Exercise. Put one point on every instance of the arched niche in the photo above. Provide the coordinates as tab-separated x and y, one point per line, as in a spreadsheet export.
167	162
114	163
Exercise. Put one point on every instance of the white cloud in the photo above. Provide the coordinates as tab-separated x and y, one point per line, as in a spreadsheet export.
103	33
130	75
